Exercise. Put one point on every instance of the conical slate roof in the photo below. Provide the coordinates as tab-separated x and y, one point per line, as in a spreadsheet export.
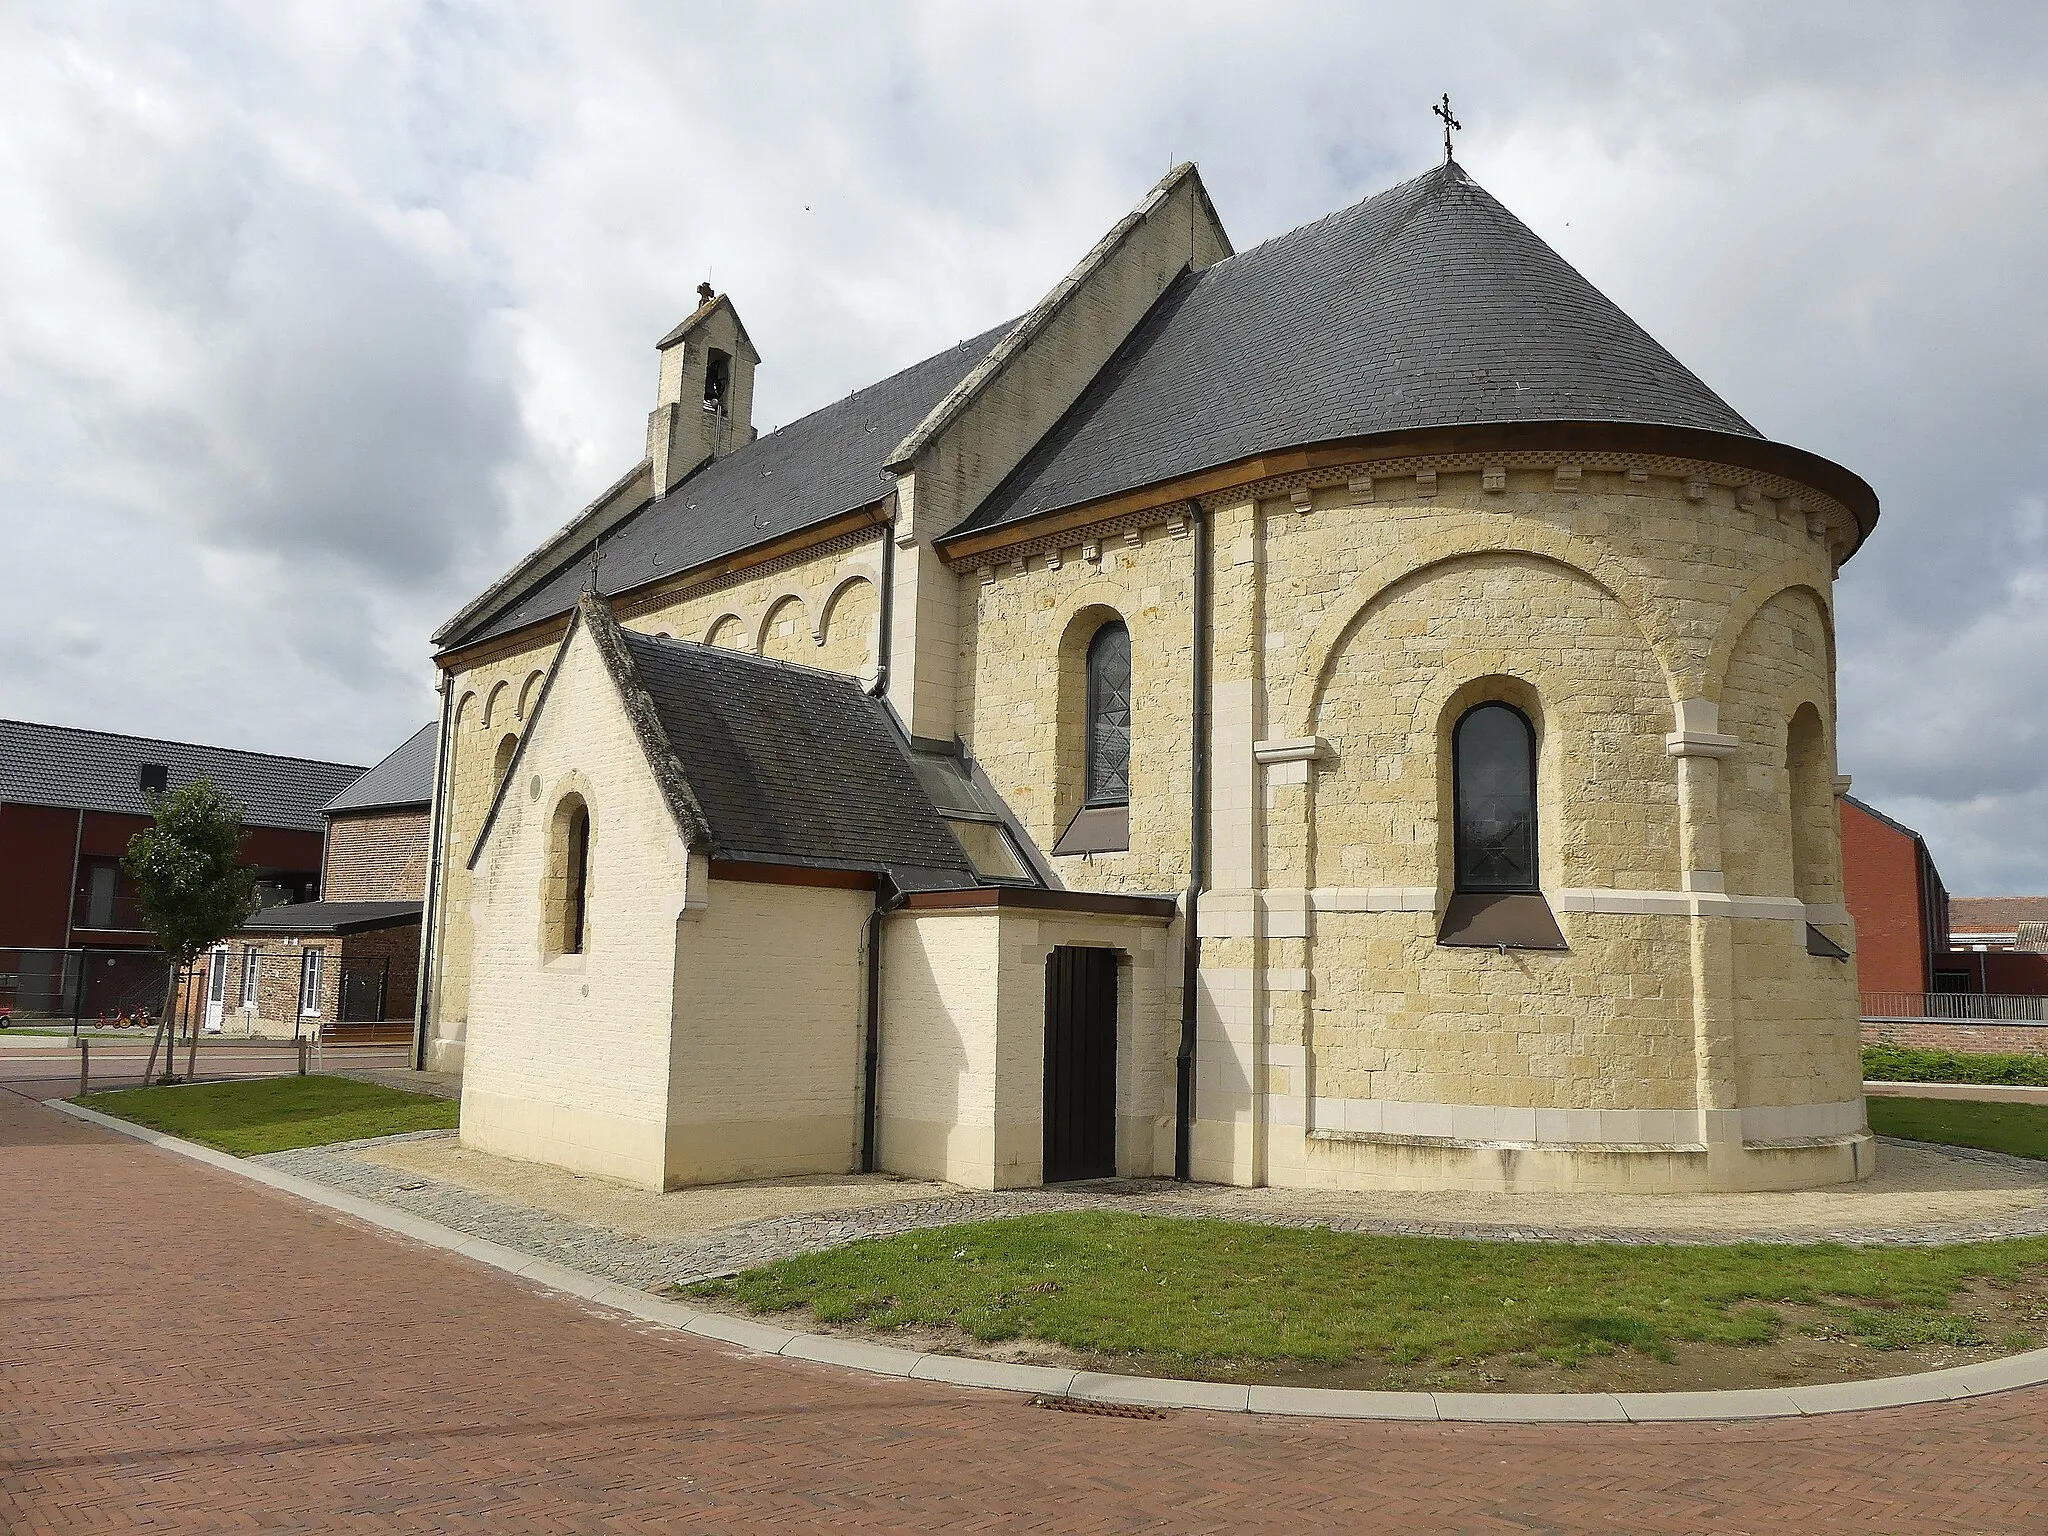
1428	305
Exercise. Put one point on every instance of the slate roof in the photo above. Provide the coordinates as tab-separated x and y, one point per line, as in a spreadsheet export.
827	463
403	777
1874	813
100	771
333	916
793	765
1427	305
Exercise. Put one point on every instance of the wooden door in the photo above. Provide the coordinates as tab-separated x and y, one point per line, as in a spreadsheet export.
1080	1064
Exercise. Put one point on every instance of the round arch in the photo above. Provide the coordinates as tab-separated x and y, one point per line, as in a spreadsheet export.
1381	582
1793	576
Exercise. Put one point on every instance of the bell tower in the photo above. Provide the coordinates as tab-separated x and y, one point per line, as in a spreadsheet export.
704	407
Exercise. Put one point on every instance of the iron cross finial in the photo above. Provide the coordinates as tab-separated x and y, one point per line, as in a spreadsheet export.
1443	110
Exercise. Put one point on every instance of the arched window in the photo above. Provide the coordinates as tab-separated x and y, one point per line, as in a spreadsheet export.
568	877
503	759
1494	784
579	881
1109	716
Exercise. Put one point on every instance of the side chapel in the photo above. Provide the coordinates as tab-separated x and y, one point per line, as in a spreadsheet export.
1353	713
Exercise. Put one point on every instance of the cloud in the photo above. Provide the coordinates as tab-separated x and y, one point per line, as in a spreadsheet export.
313	318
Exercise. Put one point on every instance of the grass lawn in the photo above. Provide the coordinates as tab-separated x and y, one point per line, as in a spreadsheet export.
2021	1129
1187	1291
1899	1064
278	1113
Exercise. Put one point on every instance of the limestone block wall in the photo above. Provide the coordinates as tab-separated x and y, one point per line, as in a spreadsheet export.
962	1081
1662	622
1024	694
765	1066
820	608
567	1057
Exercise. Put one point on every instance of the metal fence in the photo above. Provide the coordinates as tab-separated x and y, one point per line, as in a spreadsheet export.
81	986
1954	1008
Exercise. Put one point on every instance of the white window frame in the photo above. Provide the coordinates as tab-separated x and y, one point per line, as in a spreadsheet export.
217	978
252	976
312	965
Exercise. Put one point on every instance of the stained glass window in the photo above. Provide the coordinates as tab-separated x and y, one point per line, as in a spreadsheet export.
1495	751
1109	716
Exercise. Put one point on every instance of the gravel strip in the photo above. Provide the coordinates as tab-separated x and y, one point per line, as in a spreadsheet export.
651	1263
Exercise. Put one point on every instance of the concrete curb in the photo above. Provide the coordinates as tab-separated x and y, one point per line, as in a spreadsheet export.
1952	1385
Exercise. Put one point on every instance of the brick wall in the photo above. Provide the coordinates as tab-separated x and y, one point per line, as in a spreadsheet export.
376	856
1973	1039
1881	872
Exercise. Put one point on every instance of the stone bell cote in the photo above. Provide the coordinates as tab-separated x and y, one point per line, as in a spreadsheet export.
705	406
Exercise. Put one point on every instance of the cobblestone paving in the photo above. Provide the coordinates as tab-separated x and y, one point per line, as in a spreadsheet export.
327	1377
649	1262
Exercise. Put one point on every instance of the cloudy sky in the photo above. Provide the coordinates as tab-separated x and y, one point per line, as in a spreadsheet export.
314	317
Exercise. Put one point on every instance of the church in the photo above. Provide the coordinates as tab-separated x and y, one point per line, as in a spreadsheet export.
1351	713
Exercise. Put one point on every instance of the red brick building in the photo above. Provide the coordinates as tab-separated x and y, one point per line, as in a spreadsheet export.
351	957
1895	894
70	800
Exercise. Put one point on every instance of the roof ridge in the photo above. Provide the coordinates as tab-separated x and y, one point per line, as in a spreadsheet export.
1240	257
195	746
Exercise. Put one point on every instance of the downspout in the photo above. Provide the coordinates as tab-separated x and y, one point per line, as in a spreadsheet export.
879	688
429	917
1198	862
887	899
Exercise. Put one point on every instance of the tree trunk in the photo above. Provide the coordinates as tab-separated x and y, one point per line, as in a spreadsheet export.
162	1023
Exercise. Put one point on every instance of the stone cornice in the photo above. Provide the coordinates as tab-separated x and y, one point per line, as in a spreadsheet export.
1799	484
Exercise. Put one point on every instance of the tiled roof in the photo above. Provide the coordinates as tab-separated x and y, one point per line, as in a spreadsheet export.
404	777
1427	305
100	771
333	916
1997	914
808	472
793	765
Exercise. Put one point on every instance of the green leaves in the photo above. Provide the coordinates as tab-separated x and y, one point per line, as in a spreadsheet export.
186	866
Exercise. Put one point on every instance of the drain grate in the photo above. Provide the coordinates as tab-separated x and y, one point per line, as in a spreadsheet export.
1100	1410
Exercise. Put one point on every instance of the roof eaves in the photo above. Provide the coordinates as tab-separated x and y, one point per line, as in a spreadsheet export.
549	551
1039	317
702	313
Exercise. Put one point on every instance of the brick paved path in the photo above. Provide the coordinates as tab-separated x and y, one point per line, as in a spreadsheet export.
180	1350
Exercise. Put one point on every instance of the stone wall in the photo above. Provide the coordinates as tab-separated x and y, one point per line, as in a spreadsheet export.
568	1059
827	597
1662	622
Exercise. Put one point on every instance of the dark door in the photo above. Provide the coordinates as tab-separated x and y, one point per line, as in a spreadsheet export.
1080	1064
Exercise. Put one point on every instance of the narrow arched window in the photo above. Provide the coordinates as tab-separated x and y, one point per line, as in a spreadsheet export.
565	893
1109	716
502	761
575	904
1494	785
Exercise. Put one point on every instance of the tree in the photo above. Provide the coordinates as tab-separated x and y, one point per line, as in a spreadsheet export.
189	880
